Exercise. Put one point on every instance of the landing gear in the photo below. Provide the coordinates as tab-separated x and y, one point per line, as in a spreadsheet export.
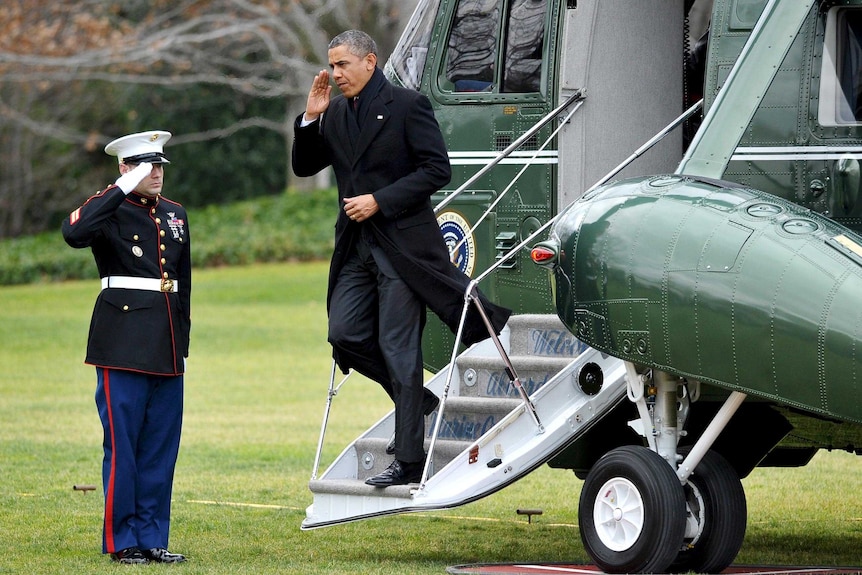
717	515
632	512
664	509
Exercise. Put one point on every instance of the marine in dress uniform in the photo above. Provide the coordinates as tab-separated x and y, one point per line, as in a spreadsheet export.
138	342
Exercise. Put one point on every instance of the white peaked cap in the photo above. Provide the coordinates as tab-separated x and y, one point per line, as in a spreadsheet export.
140	147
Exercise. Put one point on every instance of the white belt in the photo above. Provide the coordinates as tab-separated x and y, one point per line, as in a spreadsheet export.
149	284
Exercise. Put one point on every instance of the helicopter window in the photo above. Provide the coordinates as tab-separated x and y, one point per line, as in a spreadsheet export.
524	42
851	67
408	59
473	59
472	50
841	78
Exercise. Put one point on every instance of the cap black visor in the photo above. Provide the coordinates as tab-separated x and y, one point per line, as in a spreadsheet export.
153	158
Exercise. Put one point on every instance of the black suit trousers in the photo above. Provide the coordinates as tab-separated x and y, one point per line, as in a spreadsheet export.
376	322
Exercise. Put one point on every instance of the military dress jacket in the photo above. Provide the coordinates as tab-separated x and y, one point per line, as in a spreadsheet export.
134	236
399	157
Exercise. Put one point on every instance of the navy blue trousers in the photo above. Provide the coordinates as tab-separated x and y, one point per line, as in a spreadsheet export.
142	418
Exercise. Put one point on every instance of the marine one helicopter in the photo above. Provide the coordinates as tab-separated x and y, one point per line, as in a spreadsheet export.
673	211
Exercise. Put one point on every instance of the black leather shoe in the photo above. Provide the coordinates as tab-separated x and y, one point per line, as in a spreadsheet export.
130	556
398	473
160	555
390	447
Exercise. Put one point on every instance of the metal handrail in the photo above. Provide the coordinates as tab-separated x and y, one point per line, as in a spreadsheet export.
508	151
454	249
472	295
429	457
635	155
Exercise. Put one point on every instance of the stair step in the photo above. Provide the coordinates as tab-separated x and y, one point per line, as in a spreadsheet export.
542	335
468	418
372	457
487	377
358	487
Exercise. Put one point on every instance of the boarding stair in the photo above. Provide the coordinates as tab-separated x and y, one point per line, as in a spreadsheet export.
489	435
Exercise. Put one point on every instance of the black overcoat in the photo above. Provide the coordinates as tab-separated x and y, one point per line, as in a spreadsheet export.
399	157
136	236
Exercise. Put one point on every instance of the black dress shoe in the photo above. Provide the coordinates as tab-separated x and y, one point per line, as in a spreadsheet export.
161	555
398	473
130	556
390	447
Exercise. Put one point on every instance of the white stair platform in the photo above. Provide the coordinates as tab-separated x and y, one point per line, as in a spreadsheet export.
488	438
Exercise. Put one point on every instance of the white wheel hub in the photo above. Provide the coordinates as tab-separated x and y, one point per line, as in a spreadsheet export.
694	513
618	514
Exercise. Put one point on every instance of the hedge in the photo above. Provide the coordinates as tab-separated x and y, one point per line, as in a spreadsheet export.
292	226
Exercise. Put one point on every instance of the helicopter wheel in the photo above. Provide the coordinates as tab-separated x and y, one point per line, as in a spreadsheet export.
718	514
632	512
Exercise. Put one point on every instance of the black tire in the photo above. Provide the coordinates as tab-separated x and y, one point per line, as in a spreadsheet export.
715	494
632	512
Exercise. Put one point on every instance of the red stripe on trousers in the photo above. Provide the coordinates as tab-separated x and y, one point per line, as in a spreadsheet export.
109	496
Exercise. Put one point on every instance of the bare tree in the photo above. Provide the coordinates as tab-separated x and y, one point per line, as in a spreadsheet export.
66	66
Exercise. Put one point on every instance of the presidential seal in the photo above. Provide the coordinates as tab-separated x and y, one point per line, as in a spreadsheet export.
461	245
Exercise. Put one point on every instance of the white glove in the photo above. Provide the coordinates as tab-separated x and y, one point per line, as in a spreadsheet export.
130	180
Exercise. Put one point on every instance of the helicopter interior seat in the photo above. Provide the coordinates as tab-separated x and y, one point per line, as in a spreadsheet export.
473	86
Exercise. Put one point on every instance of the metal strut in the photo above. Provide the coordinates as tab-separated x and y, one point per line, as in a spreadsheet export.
710	434
332	392
429	458
510	369
471	295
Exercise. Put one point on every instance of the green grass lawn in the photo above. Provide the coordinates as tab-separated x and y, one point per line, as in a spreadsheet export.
255	393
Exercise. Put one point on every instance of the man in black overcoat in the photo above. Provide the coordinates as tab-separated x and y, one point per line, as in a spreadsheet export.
390	260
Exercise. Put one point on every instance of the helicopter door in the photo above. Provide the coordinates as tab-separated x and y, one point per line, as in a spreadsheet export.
492	82
490	78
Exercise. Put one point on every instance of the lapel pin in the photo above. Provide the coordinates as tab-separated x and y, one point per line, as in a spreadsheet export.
380	117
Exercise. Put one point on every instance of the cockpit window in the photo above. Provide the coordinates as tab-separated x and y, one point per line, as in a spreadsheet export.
841	75
407	61
522	68
471	55
495	46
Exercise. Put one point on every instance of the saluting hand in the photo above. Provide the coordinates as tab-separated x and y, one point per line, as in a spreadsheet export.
132	176
318	96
